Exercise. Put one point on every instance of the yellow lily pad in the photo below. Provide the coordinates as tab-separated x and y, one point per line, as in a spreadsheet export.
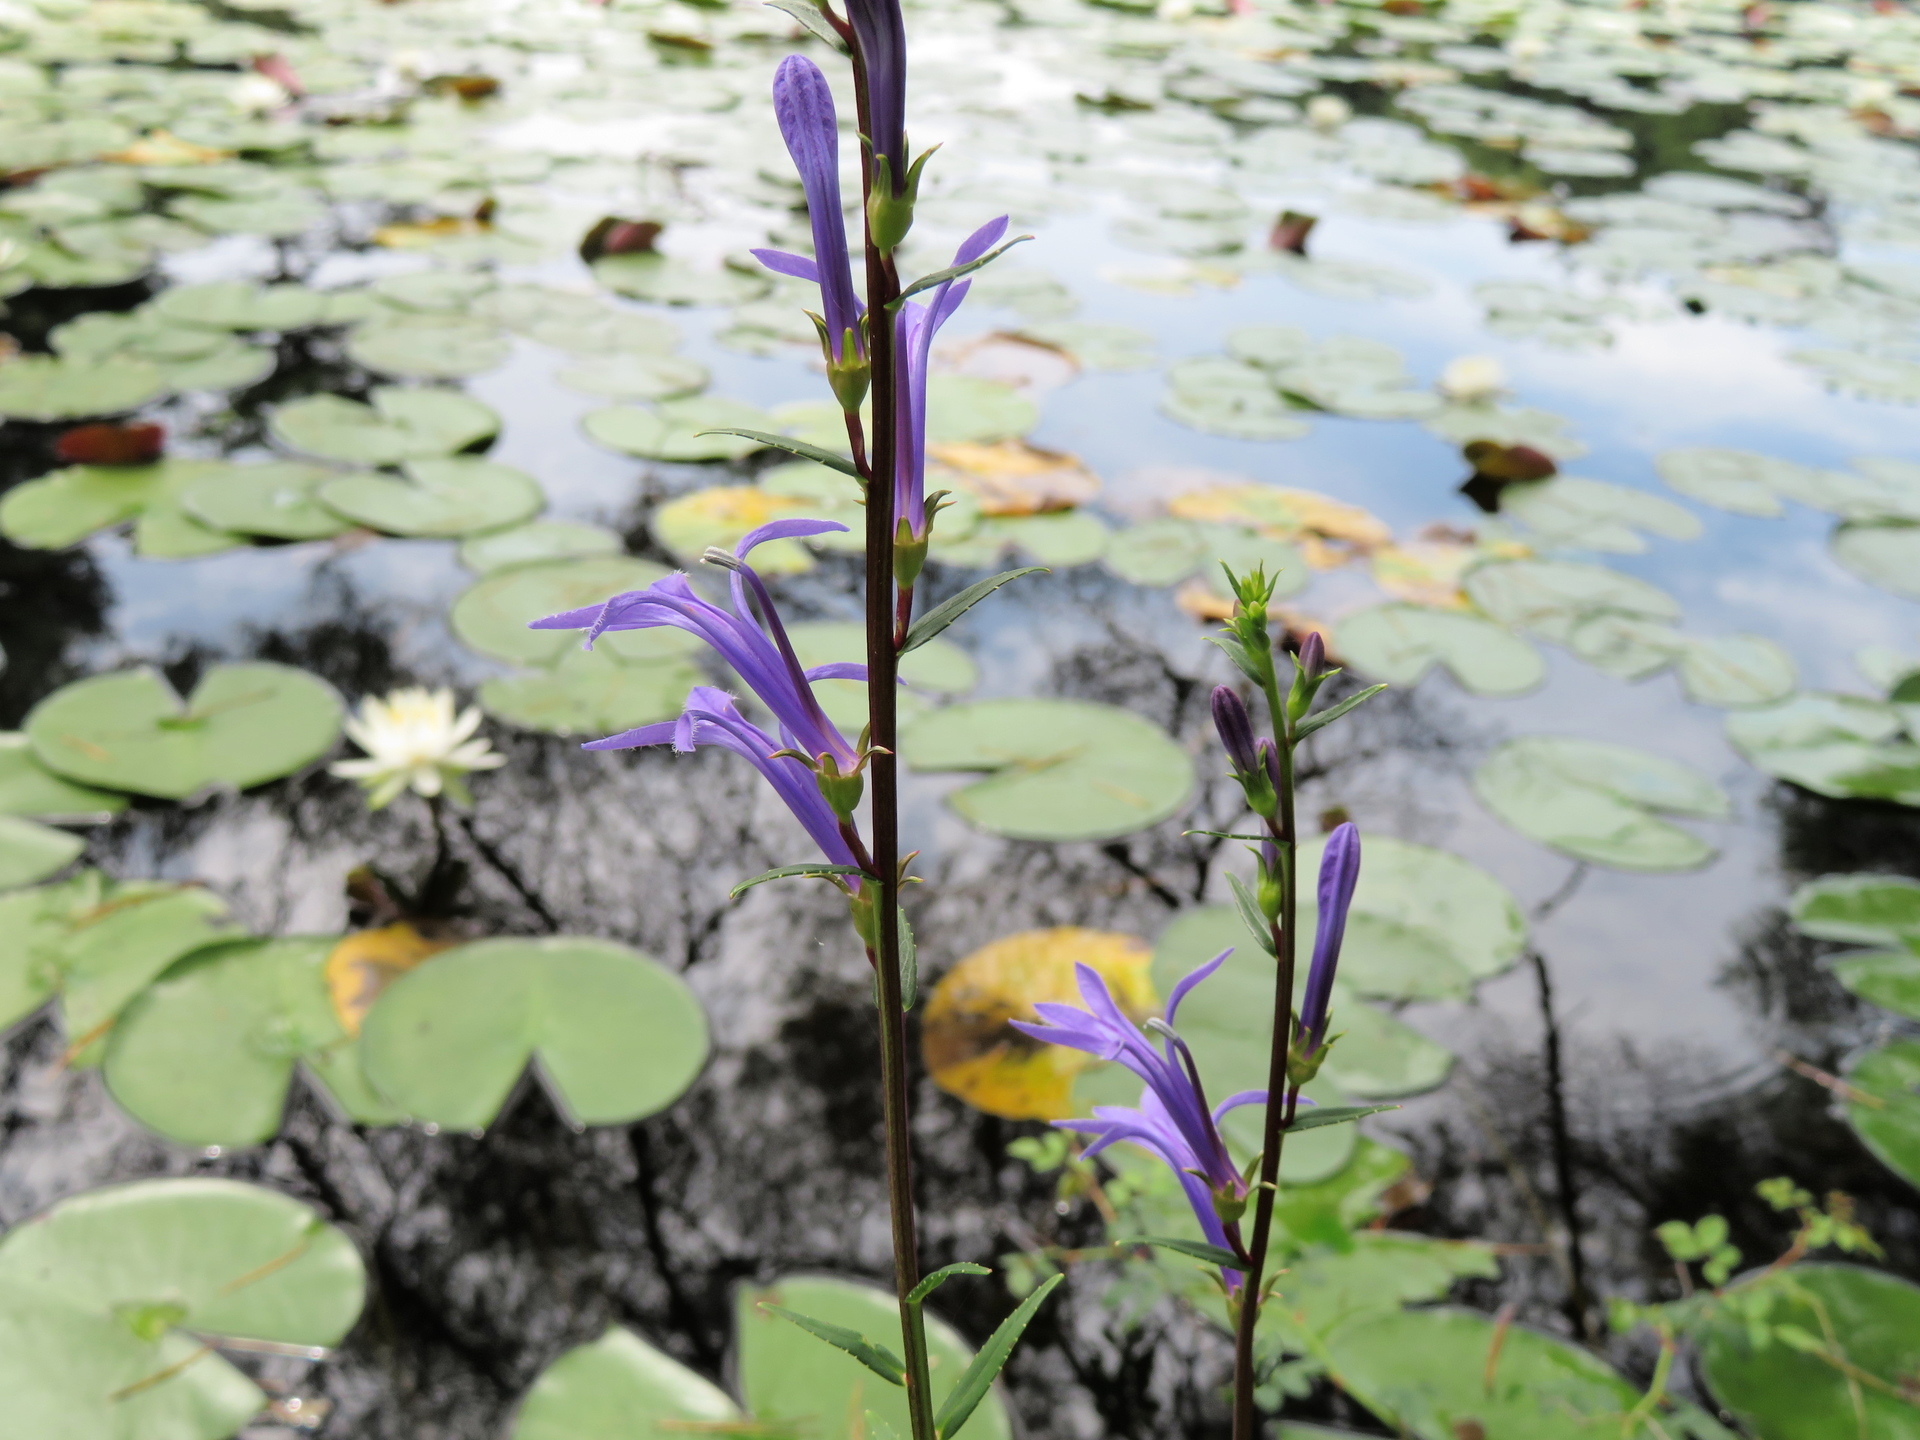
722	516
367	961
972	1052
1283	513
1011	477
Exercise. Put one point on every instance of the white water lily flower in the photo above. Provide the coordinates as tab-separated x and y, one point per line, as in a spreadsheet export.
1328	112
413	740
1473	380
257	94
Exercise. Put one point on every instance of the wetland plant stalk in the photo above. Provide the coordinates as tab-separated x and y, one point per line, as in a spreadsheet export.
1579	1306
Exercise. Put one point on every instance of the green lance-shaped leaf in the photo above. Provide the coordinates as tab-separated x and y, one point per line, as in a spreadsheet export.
1322	1115
794	872
877	1358
973	1386
1327	717
954	272
806	451
939	1277
945	613
1198	1249
1251	913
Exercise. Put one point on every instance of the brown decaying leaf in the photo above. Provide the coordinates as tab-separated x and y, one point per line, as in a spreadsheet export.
162	147
108	444
1011	477
1283	514
612	235
367	961
971	1051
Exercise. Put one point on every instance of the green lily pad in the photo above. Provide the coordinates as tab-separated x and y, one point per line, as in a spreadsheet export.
536	543
1735	480
398	425
1865	909
455	495
1552	597
636	377
1779	1392
95	945
667	280
965	408
591	692
492	616
244	725
1156	552
428	347
671	430
789	1377
1884	553
614	1034
278	217
720	516
276	499
620	1388
938	667
1736	672
1424	924
238	305
1872	377
104	1298
30	852
1400	643
206	1054
1427	1373
1887	978
28	788
1591	515
1229	1023
1063	769
1061	539
67	506
433	290
41	387
1845	746
1600	802
1378	1273
1886	1114
188	357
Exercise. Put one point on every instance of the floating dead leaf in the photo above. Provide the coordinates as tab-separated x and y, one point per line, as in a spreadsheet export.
1200	600
1290	232
108	444
163	147
611	235
971	1051
367	961
1282	514
1427	570
466	87
421	234
1029	366
1544	222
1011	477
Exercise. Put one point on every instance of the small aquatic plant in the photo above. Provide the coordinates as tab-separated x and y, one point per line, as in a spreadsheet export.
414	741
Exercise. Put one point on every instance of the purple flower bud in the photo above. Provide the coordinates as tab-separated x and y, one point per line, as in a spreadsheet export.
1313	655
880	32
1236	730
1339	872
803	104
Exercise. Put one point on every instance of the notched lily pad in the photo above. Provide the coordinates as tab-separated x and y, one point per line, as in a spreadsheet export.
1400	643
451	496
398	425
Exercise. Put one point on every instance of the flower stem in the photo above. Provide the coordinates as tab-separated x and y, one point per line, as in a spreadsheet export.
1278	1114
883	286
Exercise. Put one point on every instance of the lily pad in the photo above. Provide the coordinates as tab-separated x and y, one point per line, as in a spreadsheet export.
1400	643
492	616
104	1298
1591	515
1552	597
41	387
722	515
1435	1373
276	499
672	429
538	542
243	726
457	495
636	377
94	945
1600	802
398	425
28	788
1886	1112
1887	978
1886	554
964	409
1844	746
591	692
205	1056
1376	1274
428	347
1736	672
1062	769
1157	552
937	667
620	1388
613	1034
30	852
1780	1392
238	305
1735	480
67	506
1867	909
668	280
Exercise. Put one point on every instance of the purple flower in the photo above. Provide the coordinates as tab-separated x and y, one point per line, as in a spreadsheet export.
749	637
803	104
1172	1120
914	329
881	35
711	718
1339	872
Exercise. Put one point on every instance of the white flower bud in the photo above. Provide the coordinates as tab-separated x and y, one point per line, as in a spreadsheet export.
1473	380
